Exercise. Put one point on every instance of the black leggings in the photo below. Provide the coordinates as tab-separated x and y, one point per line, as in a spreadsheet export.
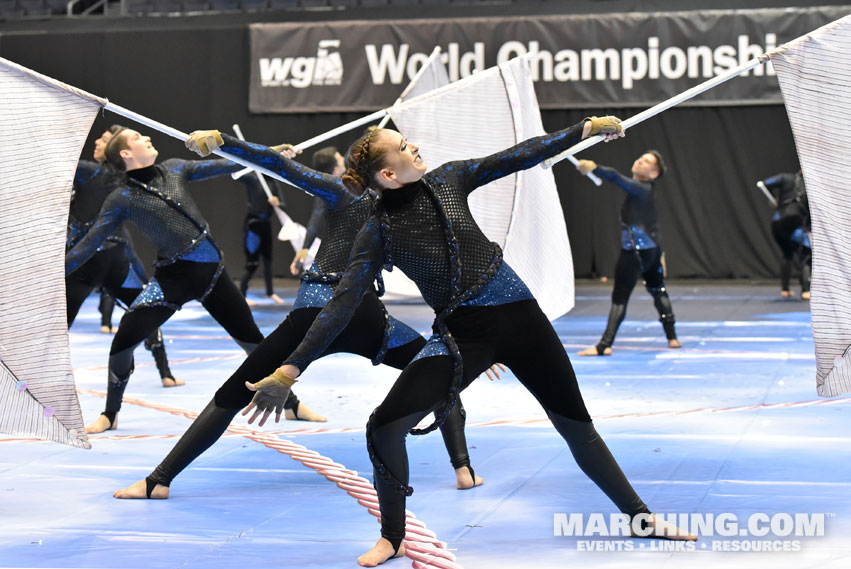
363	337
260	229
782	230
108	268
181	282
520	336
646	263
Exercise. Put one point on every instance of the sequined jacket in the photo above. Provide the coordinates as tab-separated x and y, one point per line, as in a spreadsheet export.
425	229
163	210
639	224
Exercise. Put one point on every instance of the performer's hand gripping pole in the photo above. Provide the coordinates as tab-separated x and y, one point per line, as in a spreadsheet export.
663	106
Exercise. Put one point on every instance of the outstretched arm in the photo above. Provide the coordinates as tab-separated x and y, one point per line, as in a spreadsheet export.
364	264
629	185
478	172
324	186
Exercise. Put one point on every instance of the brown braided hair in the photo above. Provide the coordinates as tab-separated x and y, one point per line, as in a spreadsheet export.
365	160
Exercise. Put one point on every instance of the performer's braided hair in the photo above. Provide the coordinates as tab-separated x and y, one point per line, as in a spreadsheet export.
365	159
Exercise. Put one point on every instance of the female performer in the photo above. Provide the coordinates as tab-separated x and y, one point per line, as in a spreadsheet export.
372	333
422	224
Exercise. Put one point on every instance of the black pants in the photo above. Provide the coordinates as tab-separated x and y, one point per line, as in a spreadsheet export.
257	244
108	269
519	336
631	264
181	282
363	336
794	254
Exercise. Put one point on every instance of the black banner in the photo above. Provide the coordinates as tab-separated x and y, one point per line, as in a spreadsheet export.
619	60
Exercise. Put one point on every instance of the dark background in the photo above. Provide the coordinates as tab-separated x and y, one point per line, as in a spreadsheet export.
191	73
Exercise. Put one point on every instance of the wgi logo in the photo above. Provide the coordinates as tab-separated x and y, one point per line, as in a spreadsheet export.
324	69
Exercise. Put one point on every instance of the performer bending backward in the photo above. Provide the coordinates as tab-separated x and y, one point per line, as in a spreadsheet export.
371	334
257	235
189	263
790	226
422	224
114	267
330	161
641	253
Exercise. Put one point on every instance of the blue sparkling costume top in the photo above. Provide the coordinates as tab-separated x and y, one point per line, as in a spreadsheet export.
93	182
155	199
639	225
426	229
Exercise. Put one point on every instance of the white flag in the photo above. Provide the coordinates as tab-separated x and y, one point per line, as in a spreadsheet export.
43	126
487	112
815	78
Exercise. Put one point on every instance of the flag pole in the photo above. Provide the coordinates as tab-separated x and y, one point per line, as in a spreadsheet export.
663	106
182	136
324	136
435	52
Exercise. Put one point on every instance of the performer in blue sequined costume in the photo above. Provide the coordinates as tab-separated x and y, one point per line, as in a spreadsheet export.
257	234
421	223
372	333
189	263
114	267
790	227
641	252
330	161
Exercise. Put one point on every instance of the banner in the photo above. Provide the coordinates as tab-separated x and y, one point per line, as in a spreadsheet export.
521	212
815	74
601	60
43	125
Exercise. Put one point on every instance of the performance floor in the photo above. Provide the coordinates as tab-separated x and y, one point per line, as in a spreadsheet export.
728	430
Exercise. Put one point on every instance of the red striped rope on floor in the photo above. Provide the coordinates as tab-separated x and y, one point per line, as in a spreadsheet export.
421	544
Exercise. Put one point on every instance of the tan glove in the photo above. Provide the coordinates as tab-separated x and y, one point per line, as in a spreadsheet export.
286	149
204	142
586	166
604	125
271	394
298	262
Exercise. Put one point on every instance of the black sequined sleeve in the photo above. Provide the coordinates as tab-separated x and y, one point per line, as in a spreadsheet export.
364	263
478	172
112	214
629	185
316	225
325	186
196	170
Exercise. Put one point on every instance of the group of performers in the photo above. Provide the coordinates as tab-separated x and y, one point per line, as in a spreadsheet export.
382	209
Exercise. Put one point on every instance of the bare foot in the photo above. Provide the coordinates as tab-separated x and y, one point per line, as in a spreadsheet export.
276	298
382	551
592	351
786	293
250	302
305	413
102	424
464	480
108	329
805	295
139	490
674	343
660	528
172	382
